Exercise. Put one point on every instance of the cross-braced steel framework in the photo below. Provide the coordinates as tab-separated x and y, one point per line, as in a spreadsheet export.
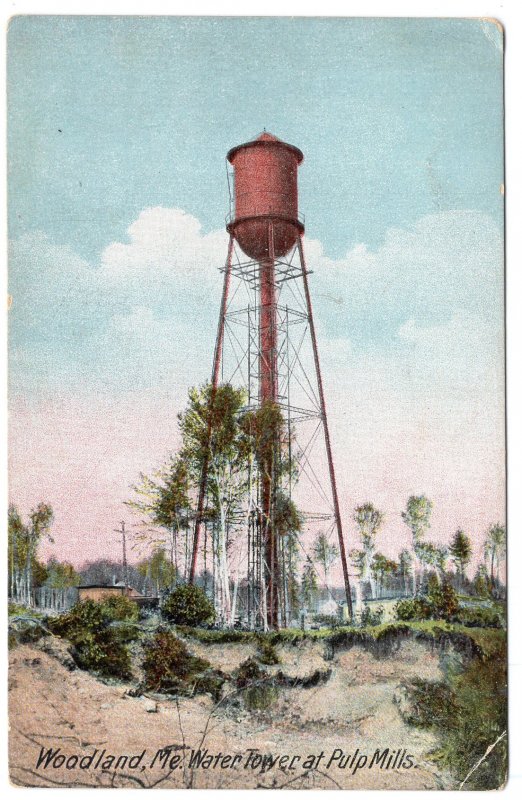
266	343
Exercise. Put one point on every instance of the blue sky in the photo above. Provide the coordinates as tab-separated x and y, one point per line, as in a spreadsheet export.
118	131
397	118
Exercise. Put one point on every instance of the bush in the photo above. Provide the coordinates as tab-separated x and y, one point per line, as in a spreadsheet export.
249	672
478	617
97	644
258	692
121	608
371	616
168	665
469	713
444	601
188	605
441	602
431	703
416	608
267	652
328	620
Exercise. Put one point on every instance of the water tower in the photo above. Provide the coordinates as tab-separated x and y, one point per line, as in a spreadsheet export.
266	258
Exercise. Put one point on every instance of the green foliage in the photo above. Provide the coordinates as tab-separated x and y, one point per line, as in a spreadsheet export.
17	609
121	608
308	584
99	644
61	575
415	608
285	516
25	571
417	515
495	548
328	620
261	697
188	605
382	567
325	553
267	652
158	569
430	703
248	672
168	665
444	601
469	711
214	412
371	616
263	428
478	617
440	602
460	550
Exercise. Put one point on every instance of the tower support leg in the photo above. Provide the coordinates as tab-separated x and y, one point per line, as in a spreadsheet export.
328	445
218	353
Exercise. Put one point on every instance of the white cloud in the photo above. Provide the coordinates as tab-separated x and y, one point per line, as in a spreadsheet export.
410	339
166	246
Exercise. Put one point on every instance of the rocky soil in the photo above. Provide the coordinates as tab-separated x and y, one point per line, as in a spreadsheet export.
353	711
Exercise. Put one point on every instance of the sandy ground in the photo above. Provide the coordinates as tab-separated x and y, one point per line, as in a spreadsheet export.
62	712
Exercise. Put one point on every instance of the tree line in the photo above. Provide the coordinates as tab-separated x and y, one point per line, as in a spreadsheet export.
217	432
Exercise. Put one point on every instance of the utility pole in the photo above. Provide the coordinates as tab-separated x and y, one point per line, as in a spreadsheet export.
124	545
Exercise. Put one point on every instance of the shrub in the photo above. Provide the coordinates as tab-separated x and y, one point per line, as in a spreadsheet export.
469	713
441	602
416	608
97	645
168	665
188	605
328	620
371	616
121	608
267	652
478	617
248	672
430	703
258	692
444	601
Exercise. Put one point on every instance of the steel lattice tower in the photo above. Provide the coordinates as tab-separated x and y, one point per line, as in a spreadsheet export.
265	320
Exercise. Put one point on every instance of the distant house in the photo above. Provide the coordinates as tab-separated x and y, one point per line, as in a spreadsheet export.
100	591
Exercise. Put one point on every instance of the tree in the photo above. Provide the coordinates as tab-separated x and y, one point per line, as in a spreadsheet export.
105	572
158	570
288	523
460	550
325	554
432	556
225	453
495	549
405	568
165	501
369	520
23	541
61	575
417	517
382	568
309	585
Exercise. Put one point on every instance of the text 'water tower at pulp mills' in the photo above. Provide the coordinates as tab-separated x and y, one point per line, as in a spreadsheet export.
266	342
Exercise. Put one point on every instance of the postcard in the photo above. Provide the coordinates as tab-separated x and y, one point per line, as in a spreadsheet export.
256	524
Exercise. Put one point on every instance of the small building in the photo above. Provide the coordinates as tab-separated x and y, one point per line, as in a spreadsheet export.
99	592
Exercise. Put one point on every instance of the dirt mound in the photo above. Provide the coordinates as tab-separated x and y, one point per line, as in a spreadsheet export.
57	712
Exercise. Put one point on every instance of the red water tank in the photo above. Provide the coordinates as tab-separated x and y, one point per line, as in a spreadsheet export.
265	191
